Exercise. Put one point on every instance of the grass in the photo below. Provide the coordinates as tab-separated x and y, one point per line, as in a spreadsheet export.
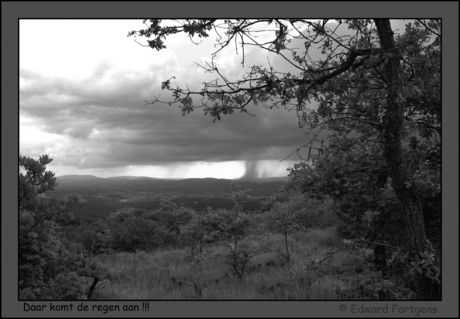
173	274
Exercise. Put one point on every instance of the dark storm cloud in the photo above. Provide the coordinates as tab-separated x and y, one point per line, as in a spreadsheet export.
108	113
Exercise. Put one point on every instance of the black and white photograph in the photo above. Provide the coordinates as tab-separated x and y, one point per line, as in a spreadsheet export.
230	159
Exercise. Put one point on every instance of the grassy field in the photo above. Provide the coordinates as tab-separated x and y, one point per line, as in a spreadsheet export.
174	274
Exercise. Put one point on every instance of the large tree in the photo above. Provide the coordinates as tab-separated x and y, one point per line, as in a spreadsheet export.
364	79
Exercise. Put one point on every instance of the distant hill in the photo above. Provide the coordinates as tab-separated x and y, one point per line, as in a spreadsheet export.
131	178
284	179
187	180
105	195
78	177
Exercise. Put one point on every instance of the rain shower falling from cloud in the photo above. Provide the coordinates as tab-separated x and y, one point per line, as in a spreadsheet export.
246	170
266	168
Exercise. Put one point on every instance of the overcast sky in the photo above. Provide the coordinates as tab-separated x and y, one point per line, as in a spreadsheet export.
83	84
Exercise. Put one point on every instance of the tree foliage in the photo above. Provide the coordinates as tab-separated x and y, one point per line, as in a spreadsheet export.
47	268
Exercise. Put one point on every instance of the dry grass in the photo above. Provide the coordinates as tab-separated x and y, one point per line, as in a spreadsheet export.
175	275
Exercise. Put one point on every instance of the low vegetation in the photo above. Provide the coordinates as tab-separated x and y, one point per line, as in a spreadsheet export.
302	247
212	274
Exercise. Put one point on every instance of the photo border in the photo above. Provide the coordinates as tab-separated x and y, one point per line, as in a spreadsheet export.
12	11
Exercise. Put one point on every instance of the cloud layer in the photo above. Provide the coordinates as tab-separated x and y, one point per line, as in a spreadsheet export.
82	100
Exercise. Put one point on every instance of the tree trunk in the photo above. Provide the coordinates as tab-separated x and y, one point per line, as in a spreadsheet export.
380	258
287	246
392	131
93	287
192	246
